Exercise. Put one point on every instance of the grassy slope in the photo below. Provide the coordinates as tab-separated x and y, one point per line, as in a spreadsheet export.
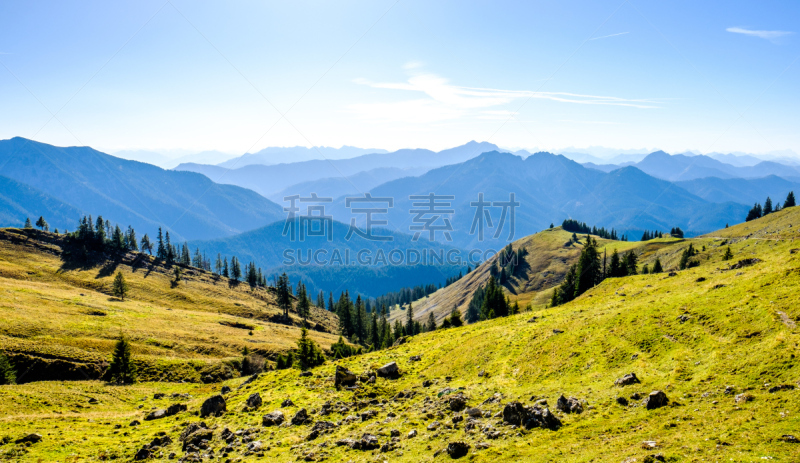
50	310
741	332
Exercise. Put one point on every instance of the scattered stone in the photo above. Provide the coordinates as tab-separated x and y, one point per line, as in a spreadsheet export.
649	444
684	318
321	427
434	426
158	395
344	377
32	438
457	402
530	417
273	419
745	263
457	449
729	390
743	397
93	401
213	406
194	434
790	439
306	374
672	274
654	458
636	396
249	380
415	358
622	401
367	415
287	403
412	433
254	447
400	341
700	279
481	373
174	409
390	370
571	405
427	383
301	417
627	380
225	390
155	415
532	320
254	401
656	399
555	331
134	423
143	454
474	412
482	445
367	442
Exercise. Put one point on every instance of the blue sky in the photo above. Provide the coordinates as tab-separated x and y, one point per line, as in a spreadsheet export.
707	76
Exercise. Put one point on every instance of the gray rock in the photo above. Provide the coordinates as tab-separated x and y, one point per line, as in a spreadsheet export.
530	417
656	399
273	419
571	405
155	415
320	427
144	453
622	401
457	402
174	409
390	370
287	403
254	401
415	358
627	380
225	390
213	406
301	417
412	433
457	449
474	412
344	377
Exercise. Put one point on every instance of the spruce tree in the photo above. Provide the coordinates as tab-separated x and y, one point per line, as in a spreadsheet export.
161	250
28	222
410	320
122	369
309	354
218	264
728	254
789	200
282	293
7	373
170	256
132	244
147	245
615	268
767	206
360	321
374	332
657	266
455	317
431	324
588	272
120	286
225	271
631	263
303	306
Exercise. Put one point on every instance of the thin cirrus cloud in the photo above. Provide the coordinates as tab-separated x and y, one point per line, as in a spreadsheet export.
445	101
768	35
610	35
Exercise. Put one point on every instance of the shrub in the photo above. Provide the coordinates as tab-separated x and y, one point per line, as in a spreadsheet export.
252	364
284	361
309	354
120	287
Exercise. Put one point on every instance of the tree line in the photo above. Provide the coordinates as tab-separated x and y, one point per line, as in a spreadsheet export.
575	226
758	211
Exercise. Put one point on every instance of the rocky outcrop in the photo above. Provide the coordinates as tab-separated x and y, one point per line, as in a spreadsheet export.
213	406
530	417
344	377
390	370
656	399
457	449
627	380
571	405
273	419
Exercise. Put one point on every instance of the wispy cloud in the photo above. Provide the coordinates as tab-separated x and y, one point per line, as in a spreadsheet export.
607	36
768	35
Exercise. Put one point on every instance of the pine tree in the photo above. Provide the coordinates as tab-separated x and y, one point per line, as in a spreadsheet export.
122	369
252	275
455	318
170	256
282	293
120	287
754	213
236	269
132	244
360	320
657	266
177	274
161	251
631	263
303	306
197	260
28	222
431	324
789	200
330	302
309	354
566	292
218	264
225	271
588	271
767	206
615	268
728	254
410	320
41	223
7	373
186	259
147	245
374	332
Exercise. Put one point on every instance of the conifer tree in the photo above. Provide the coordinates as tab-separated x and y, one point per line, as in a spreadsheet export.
282	293
120	286
236	269
789	200
321	300
728	254
41	223
431	324
218	264
657	266
170	256
131	235
28	222
147	245
588	272
7	373
767	206
225	271
161	250
410	320
360	320
455	317
398	331
374	332
303	306
615	268
631	263
122	369
330	302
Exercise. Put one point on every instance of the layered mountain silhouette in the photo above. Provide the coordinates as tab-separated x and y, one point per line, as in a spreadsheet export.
271	180
280	155
129	192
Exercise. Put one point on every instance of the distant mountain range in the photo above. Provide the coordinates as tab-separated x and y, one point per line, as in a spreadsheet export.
167	162
271	180
65	182
277	155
